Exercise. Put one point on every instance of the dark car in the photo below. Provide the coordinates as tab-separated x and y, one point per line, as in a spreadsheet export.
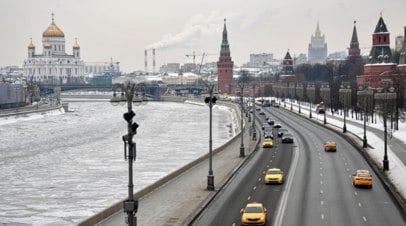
277	125
271	121
282	131
287	138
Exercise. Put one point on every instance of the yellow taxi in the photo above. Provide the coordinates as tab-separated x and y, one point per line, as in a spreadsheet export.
253	214
274	176
268	143
362	178
330	146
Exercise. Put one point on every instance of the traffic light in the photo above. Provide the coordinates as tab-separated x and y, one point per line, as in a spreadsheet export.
213	100
134	127
129	116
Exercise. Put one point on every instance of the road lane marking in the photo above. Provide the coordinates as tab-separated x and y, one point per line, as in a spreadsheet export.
359	204
321	174
321	163
355	193
365	219
321	168
255	187
259	179
322	216
321	182
249	197
321	191
322	202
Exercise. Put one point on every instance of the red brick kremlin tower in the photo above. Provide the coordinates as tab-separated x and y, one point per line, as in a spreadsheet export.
225	67
354	50
380	63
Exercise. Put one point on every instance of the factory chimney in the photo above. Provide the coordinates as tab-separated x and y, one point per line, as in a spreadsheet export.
146	61
153	61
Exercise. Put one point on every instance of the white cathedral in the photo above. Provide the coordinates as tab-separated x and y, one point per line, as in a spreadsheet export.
54	65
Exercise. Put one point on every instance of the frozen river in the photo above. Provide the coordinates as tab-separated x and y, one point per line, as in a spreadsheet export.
60	169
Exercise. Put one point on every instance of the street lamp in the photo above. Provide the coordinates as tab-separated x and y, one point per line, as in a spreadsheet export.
311	89
254	131
386	100
325	90
365	95
210	101
345	98
129	95
242	151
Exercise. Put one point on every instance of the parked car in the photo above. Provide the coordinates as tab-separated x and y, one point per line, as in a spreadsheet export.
271	121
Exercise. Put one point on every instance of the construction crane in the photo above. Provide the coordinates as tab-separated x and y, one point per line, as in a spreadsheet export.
194	56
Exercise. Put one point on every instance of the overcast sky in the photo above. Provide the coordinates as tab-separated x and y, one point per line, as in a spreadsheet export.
122	29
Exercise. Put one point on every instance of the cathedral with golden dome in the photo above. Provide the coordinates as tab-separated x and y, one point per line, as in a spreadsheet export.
54	65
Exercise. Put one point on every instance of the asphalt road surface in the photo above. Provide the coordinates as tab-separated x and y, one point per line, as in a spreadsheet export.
318	189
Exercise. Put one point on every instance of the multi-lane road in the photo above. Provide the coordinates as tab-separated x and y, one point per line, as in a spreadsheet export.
318	189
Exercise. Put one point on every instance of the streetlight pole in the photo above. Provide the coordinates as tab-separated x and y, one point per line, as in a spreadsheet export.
345	95
386	98
364	96
242	149
254	132
128	95
210	101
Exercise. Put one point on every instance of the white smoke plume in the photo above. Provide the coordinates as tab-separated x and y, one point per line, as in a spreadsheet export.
196	30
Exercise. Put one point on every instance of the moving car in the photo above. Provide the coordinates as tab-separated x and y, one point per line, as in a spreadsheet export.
268	134
330	146
274	176
287	138
362	178
282	131
268	143
254	213
277	125
271	121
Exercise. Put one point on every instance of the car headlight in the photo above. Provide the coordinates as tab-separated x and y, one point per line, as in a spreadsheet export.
262	218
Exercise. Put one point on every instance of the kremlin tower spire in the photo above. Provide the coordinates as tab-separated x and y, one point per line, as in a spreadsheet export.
354	50
225	66
380	52
287	64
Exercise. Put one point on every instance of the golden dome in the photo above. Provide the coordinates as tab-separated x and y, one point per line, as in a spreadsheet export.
76	46
47	45
53	30
31	46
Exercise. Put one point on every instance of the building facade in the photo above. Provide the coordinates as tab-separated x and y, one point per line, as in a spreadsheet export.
317	51
54	65
381	66
261	59
225	66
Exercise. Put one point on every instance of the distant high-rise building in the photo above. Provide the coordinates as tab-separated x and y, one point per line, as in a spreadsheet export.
300	59
398	42
354	50
317	48
225	66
